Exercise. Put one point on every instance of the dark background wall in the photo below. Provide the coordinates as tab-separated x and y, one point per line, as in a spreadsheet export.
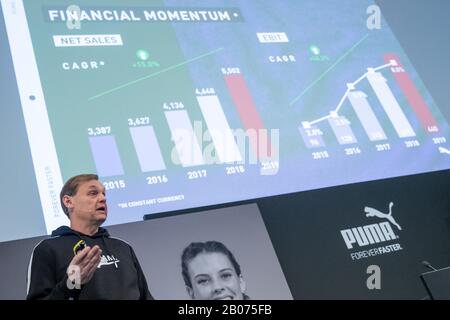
304	227
305	233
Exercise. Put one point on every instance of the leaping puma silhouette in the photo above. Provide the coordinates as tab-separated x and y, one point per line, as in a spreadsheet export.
371	212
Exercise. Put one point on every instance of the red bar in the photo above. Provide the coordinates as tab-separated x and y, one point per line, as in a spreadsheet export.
413	96
249	115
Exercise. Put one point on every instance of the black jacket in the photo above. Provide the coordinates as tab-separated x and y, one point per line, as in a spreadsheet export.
118	276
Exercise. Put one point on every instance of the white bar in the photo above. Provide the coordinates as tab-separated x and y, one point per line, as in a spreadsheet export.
363	110
147	148
183	136
390	104
219	129
43	150
87	40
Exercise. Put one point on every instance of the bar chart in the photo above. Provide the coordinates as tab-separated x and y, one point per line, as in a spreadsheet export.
213	112
188	151
364	110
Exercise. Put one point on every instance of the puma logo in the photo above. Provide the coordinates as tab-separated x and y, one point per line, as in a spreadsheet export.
371	212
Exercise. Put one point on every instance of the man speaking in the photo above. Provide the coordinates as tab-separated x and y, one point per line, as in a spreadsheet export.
83	261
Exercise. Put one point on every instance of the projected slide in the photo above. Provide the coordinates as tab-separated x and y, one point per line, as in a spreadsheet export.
180	104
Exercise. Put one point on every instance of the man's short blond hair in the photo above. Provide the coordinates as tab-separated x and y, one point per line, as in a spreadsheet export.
70	188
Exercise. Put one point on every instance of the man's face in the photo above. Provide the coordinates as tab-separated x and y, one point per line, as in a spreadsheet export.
213	277
89	203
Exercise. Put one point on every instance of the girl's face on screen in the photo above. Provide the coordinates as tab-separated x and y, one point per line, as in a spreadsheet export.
213	277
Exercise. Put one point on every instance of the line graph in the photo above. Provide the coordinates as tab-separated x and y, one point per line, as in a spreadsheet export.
350	87
359	102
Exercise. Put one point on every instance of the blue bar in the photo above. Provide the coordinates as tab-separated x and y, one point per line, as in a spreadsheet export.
342	130
106	156
312	136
